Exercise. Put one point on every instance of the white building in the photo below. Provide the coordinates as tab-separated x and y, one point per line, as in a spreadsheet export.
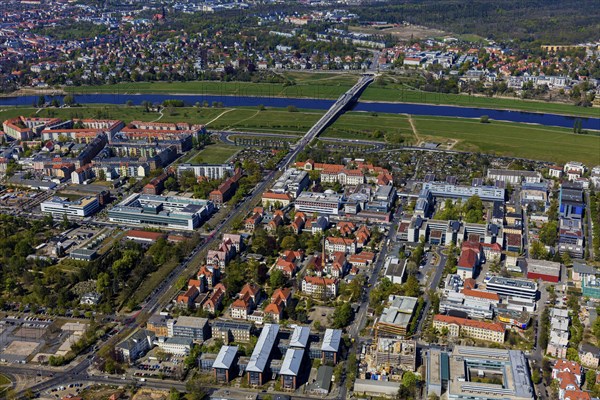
210	171
83	207
323	203
179	346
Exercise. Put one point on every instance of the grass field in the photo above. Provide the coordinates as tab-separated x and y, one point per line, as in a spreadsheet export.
367	126
4	380
510	139
188	114
309	85
215	154
271	120
397	93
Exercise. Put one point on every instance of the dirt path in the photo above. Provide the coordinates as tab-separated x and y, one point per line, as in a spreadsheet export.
228	128
414	129
219	116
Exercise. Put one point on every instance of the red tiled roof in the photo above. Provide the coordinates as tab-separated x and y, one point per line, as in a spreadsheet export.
481	294
491	326
144	234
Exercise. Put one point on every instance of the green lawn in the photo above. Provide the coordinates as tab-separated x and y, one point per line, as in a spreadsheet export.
371	126
188	114
511	139
271	120
4	380
215	154
310	85
398	93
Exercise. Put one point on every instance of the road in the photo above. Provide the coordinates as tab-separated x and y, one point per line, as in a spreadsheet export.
433	285
589	233
360	316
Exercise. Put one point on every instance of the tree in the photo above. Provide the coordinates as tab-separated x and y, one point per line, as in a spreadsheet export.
65	224
342	316
277	279
289	243
548	233
536	377
572	354
484	119
171	184
566	259
411	286
69	100
537	250
41	101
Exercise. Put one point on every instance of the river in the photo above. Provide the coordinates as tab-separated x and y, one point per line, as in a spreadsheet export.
317	104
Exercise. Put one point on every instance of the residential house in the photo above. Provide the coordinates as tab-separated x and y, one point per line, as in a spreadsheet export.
319	287
213	303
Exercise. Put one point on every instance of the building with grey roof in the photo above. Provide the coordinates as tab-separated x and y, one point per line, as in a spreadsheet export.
189	327
368	387
322	383
395	319
161	211
224	364
257	366
299	338
135	345
461	374
330	346
290	369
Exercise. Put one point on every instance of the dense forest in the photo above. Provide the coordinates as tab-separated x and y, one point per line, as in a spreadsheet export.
547	21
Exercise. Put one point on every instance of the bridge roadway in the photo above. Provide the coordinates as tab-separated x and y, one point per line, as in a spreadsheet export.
338	107
156	300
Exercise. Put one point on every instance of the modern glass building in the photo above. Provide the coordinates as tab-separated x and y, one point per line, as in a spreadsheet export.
162	212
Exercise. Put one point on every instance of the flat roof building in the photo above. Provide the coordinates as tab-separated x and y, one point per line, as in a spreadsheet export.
548	271
486	193
459	374
189	327
293	181
210	171
160	211
324	203
521	288
58	206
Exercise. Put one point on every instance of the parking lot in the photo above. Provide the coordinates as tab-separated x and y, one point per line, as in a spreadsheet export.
158	364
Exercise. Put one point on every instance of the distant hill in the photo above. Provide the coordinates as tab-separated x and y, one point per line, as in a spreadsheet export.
548	21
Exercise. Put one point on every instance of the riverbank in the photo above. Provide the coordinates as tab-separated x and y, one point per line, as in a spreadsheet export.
468	134
318	86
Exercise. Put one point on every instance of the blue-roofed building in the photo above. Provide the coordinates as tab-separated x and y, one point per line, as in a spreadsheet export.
570	200
224	363
331	345
290	369
257	366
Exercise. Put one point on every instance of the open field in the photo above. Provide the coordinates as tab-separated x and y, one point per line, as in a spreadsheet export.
371	126
511	139
398	31
309	85
215	154
271	120
189	114
399	93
